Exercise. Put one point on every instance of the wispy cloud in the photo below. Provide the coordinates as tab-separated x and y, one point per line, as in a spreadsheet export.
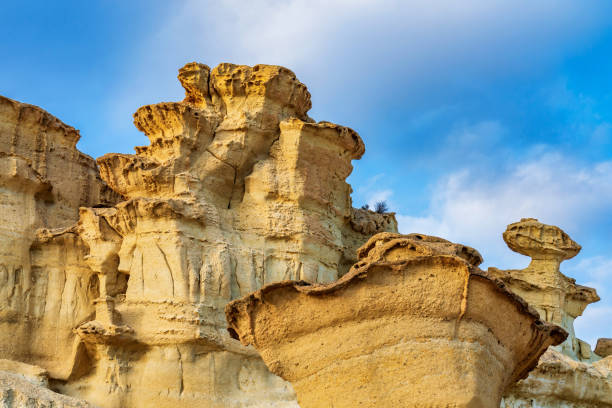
475	207
355	54
594	323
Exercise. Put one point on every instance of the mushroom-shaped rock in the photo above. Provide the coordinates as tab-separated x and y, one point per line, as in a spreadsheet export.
557	298
540	241
569	375
413	323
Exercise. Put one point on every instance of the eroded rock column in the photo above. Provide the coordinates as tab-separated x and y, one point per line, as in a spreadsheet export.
571	374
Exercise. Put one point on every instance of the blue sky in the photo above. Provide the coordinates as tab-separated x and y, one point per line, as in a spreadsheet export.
474	113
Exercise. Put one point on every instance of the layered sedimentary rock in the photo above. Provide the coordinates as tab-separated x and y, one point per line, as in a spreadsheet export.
571	374
114	275
119	292
45	290
362	341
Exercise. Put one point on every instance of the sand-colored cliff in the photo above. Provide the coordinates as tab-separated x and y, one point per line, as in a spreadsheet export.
114	274
119	292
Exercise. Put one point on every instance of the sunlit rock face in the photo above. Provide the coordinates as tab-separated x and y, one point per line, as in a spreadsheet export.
113	277
45	287
114	273
414	323
569	375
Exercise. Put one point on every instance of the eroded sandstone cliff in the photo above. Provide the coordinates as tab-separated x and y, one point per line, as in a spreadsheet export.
45	287
119	293
114	275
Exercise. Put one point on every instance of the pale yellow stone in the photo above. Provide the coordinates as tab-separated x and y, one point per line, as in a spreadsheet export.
34	374
570	375
114	276
17	392
119	294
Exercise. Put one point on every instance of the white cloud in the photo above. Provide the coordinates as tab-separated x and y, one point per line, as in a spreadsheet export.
295	32
595	272
474	207
354	53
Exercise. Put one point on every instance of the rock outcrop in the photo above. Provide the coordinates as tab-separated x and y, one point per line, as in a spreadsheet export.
115	281
23	385
604	347
361	341
45	287
114	274
570	375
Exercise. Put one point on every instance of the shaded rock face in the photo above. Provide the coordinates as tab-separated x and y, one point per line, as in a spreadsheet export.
44	180
24	385
360	341
571	374
604	347
113	276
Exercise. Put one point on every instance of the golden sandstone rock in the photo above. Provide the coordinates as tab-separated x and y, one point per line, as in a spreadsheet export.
604	347
114	275
569	375
119	292
362	341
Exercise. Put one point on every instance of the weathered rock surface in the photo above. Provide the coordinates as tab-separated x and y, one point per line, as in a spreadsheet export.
119	292
44	290
561	381
604	347
114	274
361	341
570	375
17	392
23	385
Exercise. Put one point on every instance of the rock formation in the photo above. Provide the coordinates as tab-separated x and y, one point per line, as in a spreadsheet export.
604	347
45	287
23	385
571	374
361	340
114	274
115	282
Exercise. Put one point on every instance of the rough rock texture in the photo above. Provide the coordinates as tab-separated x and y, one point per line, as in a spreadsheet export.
114	275
604	347
24	385
569	375
119	292
44	180
17	392
559	381
361	341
